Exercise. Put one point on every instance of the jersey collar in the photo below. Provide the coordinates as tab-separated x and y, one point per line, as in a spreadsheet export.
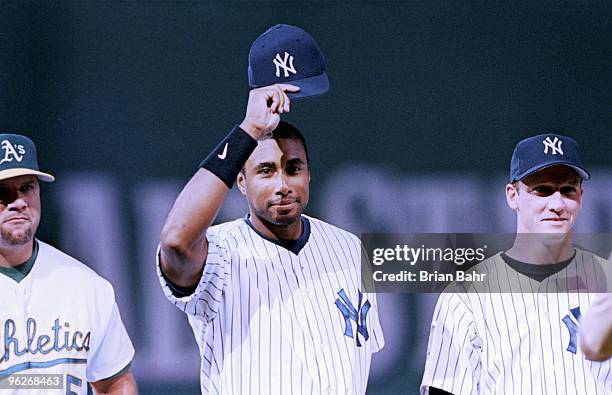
295	246
19	272
536	272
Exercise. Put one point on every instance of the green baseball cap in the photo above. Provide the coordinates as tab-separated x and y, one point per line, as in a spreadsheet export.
18	158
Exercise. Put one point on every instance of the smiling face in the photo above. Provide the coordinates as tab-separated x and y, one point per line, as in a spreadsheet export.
276	181
19	210
547	201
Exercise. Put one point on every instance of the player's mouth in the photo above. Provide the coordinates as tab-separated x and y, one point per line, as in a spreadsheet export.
555	220
285	203
16	220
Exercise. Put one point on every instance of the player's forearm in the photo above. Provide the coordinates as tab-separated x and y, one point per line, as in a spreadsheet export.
194	211
183	237
122	385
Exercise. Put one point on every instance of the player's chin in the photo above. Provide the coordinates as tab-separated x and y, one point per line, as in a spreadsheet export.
286	217
553	233
560	227
16	237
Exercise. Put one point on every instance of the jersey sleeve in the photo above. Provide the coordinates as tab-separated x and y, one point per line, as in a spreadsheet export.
454	350
114	351
204	302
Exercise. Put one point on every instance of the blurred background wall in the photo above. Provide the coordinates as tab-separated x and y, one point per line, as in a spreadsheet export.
427	101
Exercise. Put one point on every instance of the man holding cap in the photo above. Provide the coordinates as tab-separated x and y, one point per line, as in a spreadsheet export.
273	298
517	332
57	316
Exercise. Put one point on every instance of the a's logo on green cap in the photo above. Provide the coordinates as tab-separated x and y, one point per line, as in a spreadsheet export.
12	151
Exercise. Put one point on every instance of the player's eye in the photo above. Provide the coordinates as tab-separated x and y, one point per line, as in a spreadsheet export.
26	188
543	190
264	171
293	169
568	190
5	196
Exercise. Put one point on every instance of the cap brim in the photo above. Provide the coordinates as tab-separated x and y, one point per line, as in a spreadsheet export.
310	87
10	173
583	173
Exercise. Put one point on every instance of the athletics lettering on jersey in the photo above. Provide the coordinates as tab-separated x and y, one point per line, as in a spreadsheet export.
61	338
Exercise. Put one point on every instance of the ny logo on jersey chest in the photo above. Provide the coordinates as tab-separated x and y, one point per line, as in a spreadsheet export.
572	327
359	315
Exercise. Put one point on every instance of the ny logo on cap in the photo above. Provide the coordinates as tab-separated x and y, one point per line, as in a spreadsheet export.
554	145
282	63
10	151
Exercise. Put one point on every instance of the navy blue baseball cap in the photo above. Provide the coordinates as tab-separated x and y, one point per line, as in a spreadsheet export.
18	158
286	54
545	150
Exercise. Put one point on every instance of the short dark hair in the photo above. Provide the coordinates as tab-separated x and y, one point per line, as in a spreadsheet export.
285	130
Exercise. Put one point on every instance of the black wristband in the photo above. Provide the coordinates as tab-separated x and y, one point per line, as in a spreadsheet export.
228	158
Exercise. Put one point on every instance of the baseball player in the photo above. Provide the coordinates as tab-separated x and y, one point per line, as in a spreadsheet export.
596	330
516	333
273	298
57	316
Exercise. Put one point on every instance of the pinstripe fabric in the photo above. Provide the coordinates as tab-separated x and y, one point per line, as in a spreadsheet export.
266	321
488	342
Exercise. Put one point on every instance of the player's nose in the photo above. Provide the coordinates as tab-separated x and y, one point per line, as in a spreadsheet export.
556	202
282	185
17	204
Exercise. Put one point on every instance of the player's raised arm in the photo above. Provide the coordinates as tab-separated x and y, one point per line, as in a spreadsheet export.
183	244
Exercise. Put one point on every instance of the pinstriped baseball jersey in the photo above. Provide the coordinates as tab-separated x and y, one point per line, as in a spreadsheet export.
524	342
61	318
271	321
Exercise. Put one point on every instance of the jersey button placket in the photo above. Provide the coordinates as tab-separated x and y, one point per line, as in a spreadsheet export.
298	269
21	305
302	262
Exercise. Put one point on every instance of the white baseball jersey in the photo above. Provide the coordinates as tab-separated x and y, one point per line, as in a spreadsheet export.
271	321
523	342
61	318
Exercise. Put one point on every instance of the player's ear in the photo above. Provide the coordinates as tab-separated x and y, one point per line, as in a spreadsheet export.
580	196
240	180
512	195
